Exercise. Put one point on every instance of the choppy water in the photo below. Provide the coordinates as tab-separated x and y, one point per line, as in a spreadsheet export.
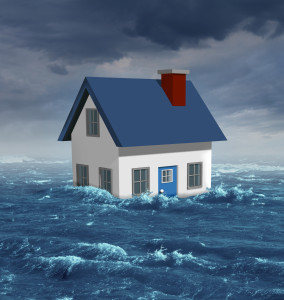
63	242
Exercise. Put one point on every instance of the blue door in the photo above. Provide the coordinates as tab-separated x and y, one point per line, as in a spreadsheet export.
168	180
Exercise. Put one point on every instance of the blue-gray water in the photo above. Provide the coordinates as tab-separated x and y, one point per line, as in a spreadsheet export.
63	242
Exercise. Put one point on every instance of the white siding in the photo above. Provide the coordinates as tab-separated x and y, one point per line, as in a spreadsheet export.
102	152
94	151
154	161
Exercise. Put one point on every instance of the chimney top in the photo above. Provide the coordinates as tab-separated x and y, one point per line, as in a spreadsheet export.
173	71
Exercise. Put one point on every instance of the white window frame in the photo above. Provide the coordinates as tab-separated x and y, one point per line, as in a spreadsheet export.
92	122
84	177
140	181
166	176
194	174
106	181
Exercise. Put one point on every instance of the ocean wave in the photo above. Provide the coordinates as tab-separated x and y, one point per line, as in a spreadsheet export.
10	159
259	266
6	282
230	194
103	251
270	262
59	266
174	258
16	247
38	181
237	168
15	159
106	202
62	267
44	197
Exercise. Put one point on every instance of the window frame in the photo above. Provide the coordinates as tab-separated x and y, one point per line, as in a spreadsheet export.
194	174
87	122
147	181
171	175
78	174
100	178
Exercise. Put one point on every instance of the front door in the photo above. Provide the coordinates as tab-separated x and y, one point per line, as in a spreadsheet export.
167	180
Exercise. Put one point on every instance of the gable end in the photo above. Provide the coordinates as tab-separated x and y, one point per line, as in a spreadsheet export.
76	110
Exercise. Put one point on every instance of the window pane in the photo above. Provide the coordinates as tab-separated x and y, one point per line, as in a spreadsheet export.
197	180
95	129
108	187
143	186
191	181
89	124
102	177
144	174
108	176
136	175
191	169
95	116
89	128
89	115
137	188
197	168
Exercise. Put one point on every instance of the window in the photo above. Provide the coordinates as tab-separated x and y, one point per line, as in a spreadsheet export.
167	176
140	181
92	118
105	179
82	175
194	175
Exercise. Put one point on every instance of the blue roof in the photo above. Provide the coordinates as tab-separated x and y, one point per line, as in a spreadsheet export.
137	112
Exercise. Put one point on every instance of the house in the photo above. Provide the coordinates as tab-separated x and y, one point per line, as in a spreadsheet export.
130	136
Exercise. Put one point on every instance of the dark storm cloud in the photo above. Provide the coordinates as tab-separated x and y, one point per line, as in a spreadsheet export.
58	69
61	36
79	31
175	23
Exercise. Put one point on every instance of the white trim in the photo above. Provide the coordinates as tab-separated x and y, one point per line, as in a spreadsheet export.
194	174
173	71
172	175
140	181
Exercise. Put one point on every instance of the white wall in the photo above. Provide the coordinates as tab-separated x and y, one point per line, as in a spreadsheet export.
94	151
154	161
102	152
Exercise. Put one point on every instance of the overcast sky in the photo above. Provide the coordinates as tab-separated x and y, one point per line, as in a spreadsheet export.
234	50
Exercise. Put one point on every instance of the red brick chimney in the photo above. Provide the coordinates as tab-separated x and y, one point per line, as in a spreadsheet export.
173	84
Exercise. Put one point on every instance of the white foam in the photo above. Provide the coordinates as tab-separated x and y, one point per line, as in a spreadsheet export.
43	181
105	249
68	261
235	168
180	258
15	159
9	159
267	261
44	197
159	255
